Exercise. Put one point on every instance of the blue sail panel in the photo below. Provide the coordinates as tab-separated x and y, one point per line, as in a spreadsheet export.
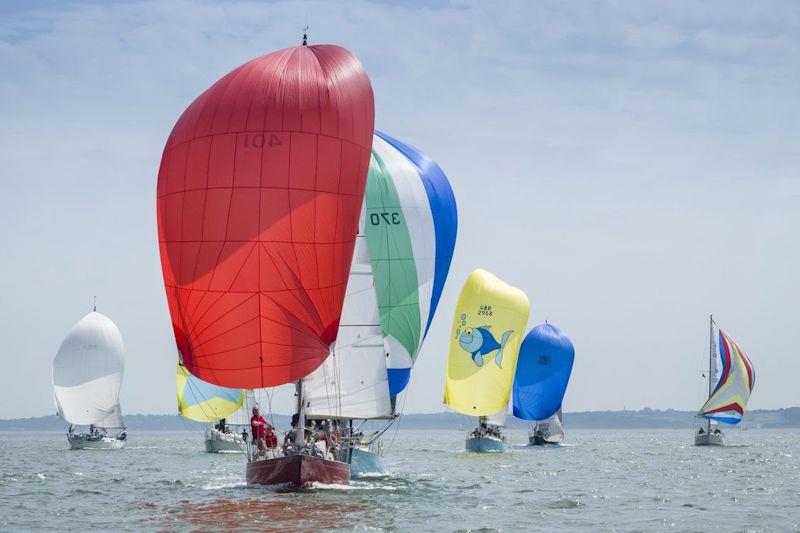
543	371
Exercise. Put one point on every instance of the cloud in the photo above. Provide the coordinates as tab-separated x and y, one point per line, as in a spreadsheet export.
633	167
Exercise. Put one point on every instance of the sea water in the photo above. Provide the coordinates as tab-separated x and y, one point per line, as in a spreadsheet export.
644	480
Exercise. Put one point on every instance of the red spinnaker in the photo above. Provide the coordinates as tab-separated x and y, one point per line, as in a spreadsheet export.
259	196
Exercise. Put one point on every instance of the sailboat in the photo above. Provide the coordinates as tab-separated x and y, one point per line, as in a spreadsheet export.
353	383
402	256
260	192
547	431
543	370
87	376
485	340
727	399
224	409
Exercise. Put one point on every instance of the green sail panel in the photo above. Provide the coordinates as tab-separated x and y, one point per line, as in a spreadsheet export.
392	257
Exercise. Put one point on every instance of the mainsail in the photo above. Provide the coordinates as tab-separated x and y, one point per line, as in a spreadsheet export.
241	417
498	419
87	373
489	320
401	259
550	429
353	382
260	192
728	400
545	364
410	226
205	402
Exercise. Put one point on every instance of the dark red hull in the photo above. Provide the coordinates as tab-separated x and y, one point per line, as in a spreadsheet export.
297	471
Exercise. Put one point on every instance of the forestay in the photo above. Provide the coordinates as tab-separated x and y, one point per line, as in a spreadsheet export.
87	373
728	401
410	224
485	338
353	382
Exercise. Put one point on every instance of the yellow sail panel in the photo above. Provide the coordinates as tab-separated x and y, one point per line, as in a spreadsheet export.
204	402
488	328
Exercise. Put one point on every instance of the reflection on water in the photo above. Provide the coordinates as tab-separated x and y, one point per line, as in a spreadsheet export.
268	510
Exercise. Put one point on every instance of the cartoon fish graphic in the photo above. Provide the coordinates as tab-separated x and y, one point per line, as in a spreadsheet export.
480	341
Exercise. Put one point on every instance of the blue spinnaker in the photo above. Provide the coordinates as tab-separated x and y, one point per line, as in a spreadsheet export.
543	370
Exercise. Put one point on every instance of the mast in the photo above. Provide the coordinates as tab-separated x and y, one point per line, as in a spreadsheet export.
712	361
299	434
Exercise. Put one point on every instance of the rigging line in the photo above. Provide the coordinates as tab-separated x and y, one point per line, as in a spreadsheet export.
188	425
397	427
196	394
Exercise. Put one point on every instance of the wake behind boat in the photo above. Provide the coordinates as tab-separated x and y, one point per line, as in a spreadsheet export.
727	400
87	376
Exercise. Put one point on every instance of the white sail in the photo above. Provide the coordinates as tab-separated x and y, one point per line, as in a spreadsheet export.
499	418
114	420
550	429
241	417
87	373
353	383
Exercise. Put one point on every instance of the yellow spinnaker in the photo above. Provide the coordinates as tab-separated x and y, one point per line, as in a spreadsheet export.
488	328
204	402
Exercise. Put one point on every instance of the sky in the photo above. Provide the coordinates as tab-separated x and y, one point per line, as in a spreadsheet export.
632	166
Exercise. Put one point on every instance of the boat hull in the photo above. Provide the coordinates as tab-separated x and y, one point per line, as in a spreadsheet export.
538	440
362	462
217	442
485	444
223	446
297	471
84	442
709	439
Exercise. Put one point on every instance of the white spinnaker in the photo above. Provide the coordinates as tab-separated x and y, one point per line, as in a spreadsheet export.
114	420
241	417
87	373
353	383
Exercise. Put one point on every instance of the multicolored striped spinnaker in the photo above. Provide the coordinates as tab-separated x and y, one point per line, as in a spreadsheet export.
728	401
203	402
410	224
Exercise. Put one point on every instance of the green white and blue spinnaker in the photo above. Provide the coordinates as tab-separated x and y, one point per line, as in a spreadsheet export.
410	222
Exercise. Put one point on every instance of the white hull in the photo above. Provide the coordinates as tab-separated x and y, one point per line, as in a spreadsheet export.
362	460
217	442
709	439
86	442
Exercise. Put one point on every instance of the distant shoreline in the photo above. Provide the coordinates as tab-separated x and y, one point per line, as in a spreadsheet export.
642	419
